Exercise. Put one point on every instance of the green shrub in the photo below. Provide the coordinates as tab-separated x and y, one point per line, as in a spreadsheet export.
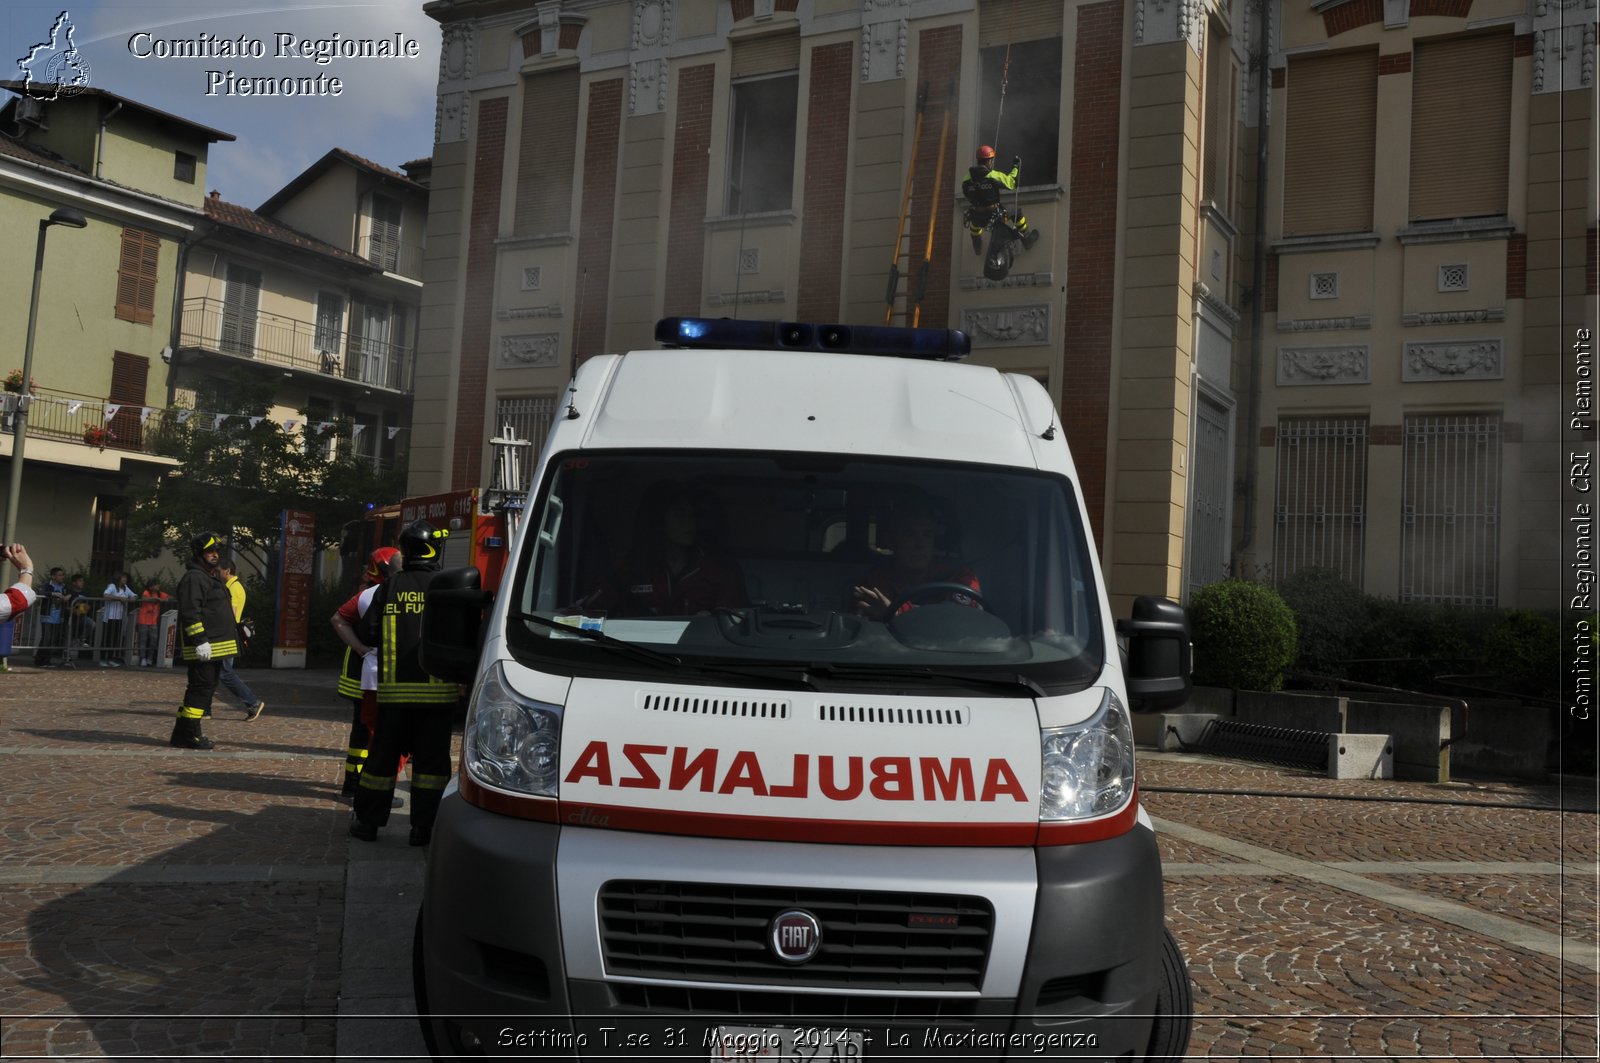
1408	644
1244	636
1331	615
1525	647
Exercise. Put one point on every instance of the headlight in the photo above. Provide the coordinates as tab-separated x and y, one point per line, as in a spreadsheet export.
1088	768
510	741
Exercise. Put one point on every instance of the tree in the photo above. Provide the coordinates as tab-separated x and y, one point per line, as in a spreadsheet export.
236	477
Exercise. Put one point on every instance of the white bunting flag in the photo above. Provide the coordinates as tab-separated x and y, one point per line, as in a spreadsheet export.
74	407
255	421
184	415
290	425
355	430
144	414
216	421
112	411
394	430
323	426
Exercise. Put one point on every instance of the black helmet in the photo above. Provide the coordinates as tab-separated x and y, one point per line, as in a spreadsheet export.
419	543
203	542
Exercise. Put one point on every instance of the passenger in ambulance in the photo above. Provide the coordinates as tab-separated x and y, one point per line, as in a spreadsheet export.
675	568
912	533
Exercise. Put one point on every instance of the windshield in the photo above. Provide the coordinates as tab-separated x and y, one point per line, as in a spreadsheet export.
809	565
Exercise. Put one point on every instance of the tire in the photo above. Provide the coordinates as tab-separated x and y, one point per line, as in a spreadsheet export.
419	989
997	263
1169	1035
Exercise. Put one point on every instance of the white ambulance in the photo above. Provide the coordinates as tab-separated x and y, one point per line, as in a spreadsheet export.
799	726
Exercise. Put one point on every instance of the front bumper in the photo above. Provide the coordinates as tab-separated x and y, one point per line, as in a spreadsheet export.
514	959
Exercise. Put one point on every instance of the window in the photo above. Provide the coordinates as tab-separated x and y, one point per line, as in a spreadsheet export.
1320	518
383	241
764	93
183	167
330	322
1221	88
137	276
1450	535
241	298
547	157
530	417
380	343
1019	47
1460	127
1329	158
130	374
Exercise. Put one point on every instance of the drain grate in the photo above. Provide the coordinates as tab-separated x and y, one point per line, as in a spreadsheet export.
1268	745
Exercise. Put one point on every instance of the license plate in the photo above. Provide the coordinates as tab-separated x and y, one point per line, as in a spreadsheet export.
783	1044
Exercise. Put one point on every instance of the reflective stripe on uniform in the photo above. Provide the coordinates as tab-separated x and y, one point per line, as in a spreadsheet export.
219	650
437	693
429	782
188	712
194	628
370	781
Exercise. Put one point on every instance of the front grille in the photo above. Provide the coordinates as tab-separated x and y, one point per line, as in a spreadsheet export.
752	1003
710	932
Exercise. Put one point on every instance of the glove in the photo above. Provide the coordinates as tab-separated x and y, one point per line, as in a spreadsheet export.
1016	162
203	651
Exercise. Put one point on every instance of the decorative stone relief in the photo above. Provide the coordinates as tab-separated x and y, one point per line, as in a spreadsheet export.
749	260
753	295
652	23
1324	324
530	349
1455	277
647	87
1008	326
1456	317
519	313
457	64
980	283
1324	285
1563	56
1349	364
1165	21
530	278
884	39
1454	360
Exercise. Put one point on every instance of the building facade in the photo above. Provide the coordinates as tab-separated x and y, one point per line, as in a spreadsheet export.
1298	291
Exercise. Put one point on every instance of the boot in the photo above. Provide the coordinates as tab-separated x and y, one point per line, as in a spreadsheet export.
186	735
1030	238
977	243
359	829
419	836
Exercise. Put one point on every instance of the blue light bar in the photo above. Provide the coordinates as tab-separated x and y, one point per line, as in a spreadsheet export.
936	344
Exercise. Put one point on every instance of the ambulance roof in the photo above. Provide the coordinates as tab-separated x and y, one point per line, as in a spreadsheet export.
805	401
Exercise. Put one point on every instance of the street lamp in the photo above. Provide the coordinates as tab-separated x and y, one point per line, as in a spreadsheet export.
74	219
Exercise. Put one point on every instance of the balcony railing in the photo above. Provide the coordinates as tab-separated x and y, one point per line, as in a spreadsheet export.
392	256
69	418
211	325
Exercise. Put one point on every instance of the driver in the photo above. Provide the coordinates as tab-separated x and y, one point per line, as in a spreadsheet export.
912	532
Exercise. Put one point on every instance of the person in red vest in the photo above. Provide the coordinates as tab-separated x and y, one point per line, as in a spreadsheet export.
358	678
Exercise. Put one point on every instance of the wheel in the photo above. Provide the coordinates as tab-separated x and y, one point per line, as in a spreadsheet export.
928	588
419	989
1169	1035
997	263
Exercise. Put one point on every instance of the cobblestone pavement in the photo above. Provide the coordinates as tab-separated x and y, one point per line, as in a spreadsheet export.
163	904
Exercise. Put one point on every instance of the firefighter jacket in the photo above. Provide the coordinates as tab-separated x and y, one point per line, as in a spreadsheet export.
982	187
350	670
205	614
396	611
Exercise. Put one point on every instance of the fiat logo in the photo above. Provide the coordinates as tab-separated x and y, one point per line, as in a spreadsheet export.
794	935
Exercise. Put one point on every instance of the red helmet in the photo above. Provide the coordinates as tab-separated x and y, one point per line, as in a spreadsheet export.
381	563
985	153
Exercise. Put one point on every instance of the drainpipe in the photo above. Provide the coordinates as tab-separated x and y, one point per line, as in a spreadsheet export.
100	141
1258	283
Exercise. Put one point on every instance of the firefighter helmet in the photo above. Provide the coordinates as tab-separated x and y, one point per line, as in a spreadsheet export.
985	153
203	543
418	543
384	560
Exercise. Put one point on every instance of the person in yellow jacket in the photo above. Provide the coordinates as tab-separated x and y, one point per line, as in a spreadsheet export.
207	635
415	709
982	188
227	676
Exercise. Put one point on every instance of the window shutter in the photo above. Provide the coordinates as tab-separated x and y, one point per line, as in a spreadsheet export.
1332	129
766	55
130	375
136	276
548	154
1460	127
1003	22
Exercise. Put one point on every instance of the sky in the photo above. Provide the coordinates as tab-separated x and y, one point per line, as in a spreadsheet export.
384	111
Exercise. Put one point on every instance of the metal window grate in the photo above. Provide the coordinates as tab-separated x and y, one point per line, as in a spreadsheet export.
1322	491
1450	531
530	416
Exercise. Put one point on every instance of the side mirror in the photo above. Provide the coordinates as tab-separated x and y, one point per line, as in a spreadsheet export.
1160	656
452	624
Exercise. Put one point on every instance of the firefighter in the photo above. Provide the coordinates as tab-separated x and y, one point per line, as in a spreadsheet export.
207	634
982	189
415	710
363	696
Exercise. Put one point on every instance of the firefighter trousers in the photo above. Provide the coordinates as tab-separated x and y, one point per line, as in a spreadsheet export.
423	730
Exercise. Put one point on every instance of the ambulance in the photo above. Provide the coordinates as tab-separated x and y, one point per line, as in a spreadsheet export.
799	726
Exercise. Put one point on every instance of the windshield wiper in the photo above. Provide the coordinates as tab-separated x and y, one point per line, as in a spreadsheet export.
1009	680
655	657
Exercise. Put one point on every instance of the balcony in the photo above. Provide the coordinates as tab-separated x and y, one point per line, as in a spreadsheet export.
392	256
68	418
289	343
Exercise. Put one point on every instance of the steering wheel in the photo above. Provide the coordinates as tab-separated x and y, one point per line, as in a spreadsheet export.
927	588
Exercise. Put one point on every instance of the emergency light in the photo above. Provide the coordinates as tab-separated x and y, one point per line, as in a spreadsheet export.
933	344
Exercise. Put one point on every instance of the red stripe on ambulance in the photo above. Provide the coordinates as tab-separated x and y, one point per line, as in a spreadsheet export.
655	767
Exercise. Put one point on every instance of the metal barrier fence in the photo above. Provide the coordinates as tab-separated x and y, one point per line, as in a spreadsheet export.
87	637
1258	742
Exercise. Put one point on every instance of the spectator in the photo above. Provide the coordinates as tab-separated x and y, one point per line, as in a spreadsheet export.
229	678
149	623
52	618
18	599
80	620
117	595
